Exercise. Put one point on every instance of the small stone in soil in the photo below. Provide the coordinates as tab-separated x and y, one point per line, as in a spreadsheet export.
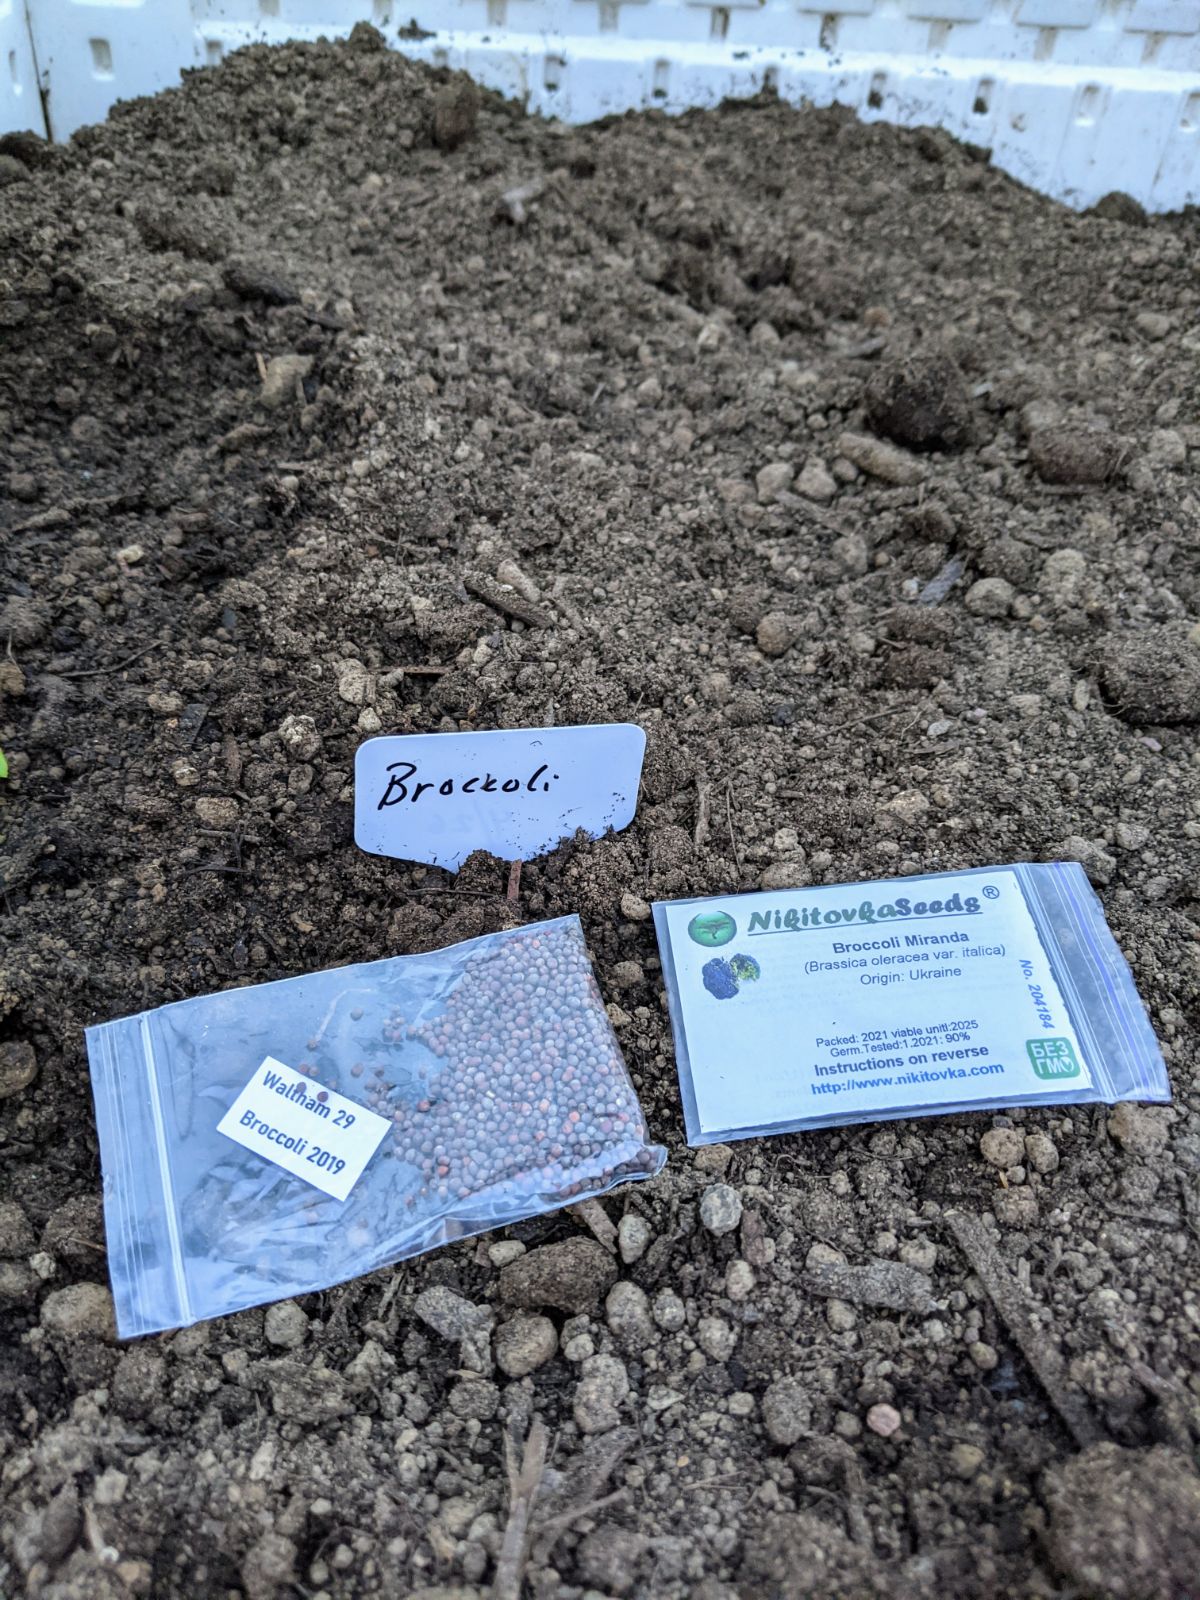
251	280
1074	455
884	1420
270	1564
880	1283
449	1314
721	1209
16	1235
627	1312
816	482
627	975
1151	677
786	1411
714	1158
881	460
739	1280
775	634
80	1311
922	402
1125	1523
570	1277
990	597
669	1311
716	1338
1002	1147
285	1325
524	1343
283	374
1041	1152
603	1385
1140	1130
18	1067
299	737
633	1236
455	113
773	480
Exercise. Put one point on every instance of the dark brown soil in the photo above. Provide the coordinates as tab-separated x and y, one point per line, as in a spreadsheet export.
588	379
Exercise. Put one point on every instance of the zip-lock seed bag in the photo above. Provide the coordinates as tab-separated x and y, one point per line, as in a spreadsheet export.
961	991
269	1141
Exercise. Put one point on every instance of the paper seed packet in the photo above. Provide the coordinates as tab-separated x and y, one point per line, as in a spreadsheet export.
960	991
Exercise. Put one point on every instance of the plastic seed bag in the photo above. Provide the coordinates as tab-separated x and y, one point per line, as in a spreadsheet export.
270	1141
961	991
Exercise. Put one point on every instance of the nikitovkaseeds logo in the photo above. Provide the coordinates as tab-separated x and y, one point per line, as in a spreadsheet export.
711	928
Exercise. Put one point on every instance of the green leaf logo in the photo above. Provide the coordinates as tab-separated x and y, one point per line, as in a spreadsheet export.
711	928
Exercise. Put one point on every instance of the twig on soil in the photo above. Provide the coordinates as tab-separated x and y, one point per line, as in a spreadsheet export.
524	1482
874	716
506	601
100	672
106	1553
262	365
1014	1309
575	1492
737	849
269	942
1191	1211
393	675
593	1215
1178	1412
388	1295
462	894
865	347
514	883
703	801
508	572
565	1518
573	617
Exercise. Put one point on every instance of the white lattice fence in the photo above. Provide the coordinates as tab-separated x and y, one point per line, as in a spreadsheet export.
1076	97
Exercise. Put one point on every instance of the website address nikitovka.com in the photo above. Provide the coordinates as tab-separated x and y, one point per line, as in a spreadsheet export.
920	1075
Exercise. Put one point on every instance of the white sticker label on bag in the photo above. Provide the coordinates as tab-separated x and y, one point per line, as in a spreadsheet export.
314	1133
861	998
515	792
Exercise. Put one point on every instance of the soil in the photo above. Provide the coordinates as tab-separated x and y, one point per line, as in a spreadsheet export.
316	372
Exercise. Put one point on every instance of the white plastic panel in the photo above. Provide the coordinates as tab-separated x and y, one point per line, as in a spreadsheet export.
20	102
1075	97
92	53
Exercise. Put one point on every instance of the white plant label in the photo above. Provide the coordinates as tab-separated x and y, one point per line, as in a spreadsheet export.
515	793
311	1132
853	1000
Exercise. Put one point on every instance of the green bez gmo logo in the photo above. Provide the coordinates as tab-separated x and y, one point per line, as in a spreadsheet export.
1053	1058
711	928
